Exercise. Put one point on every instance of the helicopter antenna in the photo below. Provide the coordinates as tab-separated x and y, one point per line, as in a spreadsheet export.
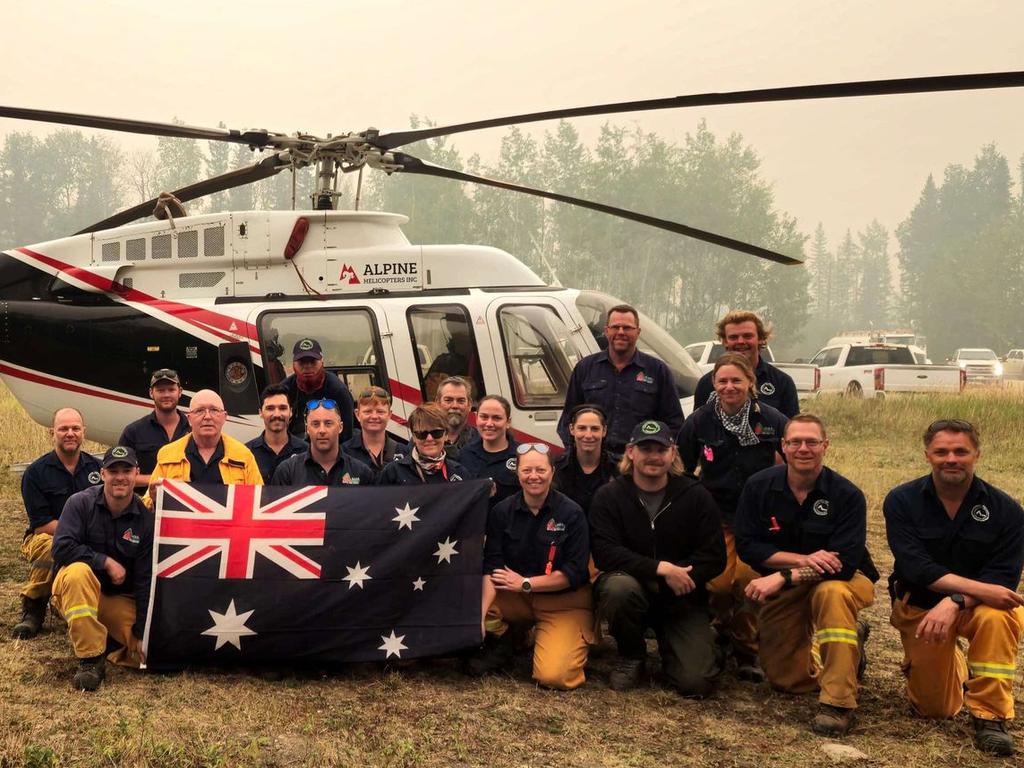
359	186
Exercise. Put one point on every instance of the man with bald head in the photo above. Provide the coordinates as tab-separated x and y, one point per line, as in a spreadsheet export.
46	485
206	456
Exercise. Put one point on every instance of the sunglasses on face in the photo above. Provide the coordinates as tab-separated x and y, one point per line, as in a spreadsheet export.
423	434
330	405
525	448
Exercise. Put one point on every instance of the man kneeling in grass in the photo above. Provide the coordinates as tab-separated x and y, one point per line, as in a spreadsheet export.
103	549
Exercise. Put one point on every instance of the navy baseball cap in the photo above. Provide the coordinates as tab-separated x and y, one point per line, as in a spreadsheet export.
652	431
119	454
307	348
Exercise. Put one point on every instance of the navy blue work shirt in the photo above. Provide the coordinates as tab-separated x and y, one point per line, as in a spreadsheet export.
47	485
774	387
404	471
303	469
265	457
644	389
89	533
333	389
498	467
984	541
358	450
555	539
724	464
204	472
146	436
833	517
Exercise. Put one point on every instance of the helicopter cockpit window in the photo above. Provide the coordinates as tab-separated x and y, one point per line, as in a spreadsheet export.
344	335
539	353
444	345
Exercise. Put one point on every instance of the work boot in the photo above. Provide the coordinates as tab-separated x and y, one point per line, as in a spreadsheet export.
832	721
748	668
626	674
991	736
33	612
494	655
863	633
91	672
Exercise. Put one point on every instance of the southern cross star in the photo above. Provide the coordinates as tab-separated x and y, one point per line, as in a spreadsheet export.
406	516
445	550
356	576
417	586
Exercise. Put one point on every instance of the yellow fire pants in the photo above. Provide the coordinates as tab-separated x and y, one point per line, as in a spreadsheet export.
91	615
734	615
809	638
563	625
36	549
938	673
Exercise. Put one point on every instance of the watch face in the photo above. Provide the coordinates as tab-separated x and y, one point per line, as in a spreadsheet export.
526	585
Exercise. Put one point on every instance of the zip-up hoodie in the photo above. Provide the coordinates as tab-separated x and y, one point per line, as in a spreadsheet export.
687	530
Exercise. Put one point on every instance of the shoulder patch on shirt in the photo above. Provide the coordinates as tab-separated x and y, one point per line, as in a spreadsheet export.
553	526
455	479
347	479
129	536
980	513
644	378
767	388
510	465
94	478
820	507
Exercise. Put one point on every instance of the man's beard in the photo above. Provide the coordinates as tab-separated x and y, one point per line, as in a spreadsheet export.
455	421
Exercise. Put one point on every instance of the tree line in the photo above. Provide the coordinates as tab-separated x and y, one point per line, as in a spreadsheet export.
956	275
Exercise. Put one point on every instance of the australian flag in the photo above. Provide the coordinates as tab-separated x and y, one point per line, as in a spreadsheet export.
314	575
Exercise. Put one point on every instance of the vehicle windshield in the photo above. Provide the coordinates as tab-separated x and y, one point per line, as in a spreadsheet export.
976	354
654	340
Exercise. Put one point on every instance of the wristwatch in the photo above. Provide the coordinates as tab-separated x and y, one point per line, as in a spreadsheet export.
527	586
959	600
787	577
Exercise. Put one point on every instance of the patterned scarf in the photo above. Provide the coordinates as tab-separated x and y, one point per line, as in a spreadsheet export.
428	465
738	423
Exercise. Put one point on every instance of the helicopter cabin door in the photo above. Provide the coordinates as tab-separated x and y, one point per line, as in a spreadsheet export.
536	344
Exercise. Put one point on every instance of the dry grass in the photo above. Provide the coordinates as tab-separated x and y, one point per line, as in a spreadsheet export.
428	714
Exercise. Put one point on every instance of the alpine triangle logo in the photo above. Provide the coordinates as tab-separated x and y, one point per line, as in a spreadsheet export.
349	274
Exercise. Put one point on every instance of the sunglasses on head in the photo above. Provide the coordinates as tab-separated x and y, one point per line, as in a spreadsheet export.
524	448
330	405
423	434
373	392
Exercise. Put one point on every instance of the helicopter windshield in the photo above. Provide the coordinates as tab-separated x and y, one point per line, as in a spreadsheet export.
654	340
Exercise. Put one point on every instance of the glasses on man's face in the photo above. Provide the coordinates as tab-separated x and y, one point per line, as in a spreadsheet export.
206	411
423	434
622	328
810	442
312	405
525	448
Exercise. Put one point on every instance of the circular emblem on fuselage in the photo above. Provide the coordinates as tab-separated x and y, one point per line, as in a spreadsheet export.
821	507
306	344
649	427
767	388
980	513
119	452
94	477
510	465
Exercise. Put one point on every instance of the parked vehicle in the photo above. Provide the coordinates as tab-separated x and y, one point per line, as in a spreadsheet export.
857	369
979	364
1013	364
897	336
804	375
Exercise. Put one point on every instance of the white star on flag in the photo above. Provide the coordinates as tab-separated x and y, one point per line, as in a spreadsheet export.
356	576
229	627
445	550
406	516
417	586
393	646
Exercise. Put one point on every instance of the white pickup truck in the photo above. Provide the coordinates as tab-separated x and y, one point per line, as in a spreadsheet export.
804	375
858	369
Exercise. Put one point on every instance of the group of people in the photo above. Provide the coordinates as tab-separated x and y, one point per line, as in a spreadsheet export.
725	533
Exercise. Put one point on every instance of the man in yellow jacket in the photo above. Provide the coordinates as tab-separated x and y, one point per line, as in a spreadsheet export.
206	456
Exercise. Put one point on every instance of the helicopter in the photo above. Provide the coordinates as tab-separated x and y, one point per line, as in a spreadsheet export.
222	297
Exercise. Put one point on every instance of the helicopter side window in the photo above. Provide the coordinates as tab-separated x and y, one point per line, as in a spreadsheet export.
444	345
344	334
539	354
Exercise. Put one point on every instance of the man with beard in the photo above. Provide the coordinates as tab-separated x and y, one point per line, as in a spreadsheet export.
103	549
628	385
45	487
324	463
958	544
745	333
276	443
455	396
164	425
311	381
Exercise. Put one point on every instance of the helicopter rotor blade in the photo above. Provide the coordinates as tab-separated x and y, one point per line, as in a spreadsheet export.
793	93
264	169
412	164
259	138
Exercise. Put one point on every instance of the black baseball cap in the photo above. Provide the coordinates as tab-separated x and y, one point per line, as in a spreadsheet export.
652	431
307	348
164	374
119	454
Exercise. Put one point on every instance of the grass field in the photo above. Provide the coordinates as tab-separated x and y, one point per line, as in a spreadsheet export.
428	714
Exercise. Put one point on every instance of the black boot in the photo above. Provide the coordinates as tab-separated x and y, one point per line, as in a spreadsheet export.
90	673
495	655
33	611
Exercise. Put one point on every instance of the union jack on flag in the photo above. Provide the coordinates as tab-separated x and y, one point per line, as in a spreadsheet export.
239	529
